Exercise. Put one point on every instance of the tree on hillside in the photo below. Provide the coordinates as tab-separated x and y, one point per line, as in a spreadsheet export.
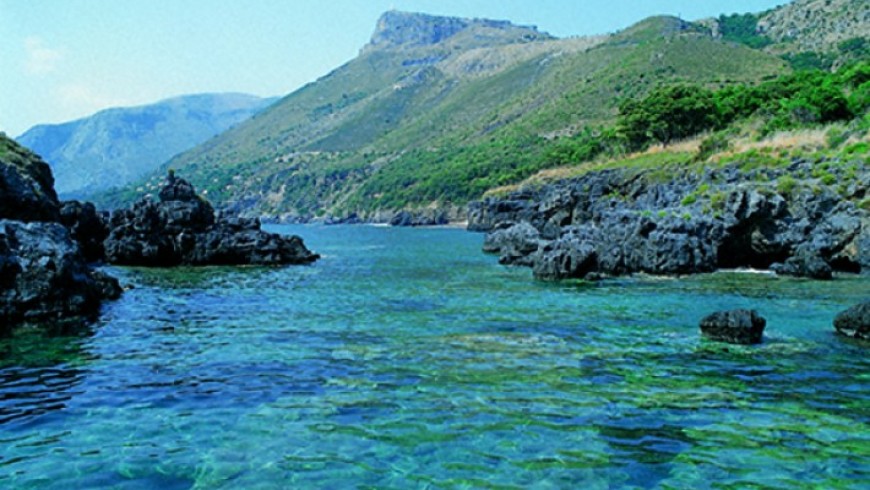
667	114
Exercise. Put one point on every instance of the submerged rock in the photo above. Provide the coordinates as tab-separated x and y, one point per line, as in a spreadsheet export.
735	326
182	229
854	322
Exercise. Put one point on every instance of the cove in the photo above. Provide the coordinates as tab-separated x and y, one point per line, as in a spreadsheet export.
405	358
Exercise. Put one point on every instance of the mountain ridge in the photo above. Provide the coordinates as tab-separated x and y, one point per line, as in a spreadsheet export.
398	29
114	146
413	125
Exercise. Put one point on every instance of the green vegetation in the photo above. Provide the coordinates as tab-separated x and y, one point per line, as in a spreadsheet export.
743	28
669	113
786	184
791	101
410	127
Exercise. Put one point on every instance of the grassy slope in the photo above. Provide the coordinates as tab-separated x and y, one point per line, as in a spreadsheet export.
381	134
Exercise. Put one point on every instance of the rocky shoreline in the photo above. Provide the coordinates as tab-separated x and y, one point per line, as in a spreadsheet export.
410	218
49	251
45	278
676	221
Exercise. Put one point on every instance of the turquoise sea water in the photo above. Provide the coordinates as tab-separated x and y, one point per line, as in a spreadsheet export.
408	359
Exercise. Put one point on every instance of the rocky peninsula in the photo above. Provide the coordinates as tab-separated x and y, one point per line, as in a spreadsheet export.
672	221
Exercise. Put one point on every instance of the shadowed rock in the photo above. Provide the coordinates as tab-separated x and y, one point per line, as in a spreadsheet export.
44	277
182	229
735	326
87	226
26	185
854	322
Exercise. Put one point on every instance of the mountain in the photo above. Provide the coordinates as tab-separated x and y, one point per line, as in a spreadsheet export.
816	25
821	34
117	146
436	110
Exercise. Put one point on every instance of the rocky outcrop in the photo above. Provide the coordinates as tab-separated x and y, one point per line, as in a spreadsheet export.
182	228
735	326
87	226
623	221
412	30
515	242
854	322
44	277
431	217
26	185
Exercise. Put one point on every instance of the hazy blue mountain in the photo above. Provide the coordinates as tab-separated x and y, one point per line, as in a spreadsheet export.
117	146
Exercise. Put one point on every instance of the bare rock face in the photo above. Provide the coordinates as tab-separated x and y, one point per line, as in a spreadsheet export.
617	222
854	322
44	279
182	229
44	276
734	327
26	185
413	30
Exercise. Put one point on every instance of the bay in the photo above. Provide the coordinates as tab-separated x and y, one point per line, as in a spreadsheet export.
406	358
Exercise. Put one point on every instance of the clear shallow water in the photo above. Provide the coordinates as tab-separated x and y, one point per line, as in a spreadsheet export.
407	359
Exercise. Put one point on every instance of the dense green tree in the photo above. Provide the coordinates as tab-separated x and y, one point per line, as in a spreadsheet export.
667	114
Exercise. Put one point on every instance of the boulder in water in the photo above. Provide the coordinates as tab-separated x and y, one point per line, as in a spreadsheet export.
734	326
854	322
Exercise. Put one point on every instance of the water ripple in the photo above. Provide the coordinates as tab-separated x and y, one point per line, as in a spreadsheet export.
406	359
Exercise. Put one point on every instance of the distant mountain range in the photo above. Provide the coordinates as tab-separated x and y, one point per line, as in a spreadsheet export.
117	146
436	110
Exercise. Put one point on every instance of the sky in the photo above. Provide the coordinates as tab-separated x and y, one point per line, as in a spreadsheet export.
65	59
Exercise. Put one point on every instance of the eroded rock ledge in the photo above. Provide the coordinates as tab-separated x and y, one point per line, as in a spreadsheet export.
623	221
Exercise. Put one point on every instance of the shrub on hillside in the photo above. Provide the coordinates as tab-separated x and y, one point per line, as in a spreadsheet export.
667	114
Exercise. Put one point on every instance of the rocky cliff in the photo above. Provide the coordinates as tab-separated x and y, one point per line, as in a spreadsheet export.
623	221
816	25
44	276
397	29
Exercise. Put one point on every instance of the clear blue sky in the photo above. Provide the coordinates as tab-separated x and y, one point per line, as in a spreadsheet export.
65	59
